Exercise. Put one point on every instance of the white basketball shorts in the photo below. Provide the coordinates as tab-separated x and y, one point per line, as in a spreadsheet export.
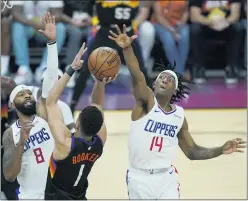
153	184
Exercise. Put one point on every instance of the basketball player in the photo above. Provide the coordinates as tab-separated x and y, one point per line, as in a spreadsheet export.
65	109
28	143
7	118
109	13
159	126
74	156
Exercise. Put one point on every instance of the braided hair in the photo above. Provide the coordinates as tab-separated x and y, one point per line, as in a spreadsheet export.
182	89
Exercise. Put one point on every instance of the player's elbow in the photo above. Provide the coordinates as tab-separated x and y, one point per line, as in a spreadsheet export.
50	101
9	176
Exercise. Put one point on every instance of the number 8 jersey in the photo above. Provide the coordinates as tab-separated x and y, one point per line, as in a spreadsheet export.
68	179
153	138
35	159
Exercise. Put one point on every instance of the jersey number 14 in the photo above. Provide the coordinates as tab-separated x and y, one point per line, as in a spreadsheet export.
157	142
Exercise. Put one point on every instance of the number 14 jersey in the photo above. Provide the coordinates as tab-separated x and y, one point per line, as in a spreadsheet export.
35	159
68	179
153	138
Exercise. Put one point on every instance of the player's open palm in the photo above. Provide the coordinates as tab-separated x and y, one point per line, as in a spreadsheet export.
78	62
25	130
49	27
121	38
234	145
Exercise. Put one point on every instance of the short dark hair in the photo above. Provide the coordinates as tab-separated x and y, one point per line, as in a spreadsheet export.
182	89
91	120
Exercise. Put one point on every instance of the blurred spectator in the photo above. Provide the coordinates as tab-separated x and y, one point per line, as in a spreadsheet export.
27	20
173	31
5	37
79	27
109	13
219	20
146	30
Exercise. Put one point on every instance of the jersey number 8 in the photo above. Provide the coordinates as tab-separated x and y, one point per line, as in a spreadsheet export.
122	13
38	155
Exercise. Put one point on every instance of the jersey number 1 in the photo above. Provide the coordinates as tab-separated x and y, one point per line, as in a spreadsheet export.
156	142
79	175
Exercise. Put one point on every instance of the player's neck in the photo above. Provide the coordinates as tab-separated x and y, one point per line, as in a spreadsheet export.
164	103
24	118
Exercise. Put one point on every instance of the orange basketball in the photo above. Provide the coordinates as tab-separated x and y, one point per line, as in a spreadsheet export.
104	62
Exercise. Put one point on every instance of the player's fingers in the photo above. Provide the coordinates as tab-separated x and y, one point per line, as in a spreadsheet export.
54	20
242	142
118	29
124	29
114	78
112	38
81	51
113	34
240	151
241	146
49	17
134	37
46	18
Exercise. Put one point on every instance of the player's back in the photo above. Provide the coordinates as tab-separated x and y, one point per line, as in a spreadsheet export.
37	151
153	138
67	179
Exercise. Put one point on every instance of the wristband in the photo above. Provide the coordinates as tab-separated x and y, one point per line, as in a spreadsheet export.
70	71
51	43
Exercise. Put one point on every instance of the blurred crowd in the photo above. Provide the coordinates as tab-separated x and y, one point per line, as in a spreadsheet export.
182	27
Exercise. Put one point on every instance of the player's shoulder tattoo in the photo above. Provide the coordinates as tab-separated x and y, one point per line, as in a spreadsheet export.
8	144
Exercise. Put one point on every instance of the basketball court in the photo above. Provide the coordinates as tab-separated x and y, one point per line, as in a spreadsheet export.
221	178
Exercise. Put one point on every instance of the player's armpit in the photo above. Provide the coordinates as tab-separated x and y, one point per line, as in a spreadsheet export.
41	108
12	157
191	149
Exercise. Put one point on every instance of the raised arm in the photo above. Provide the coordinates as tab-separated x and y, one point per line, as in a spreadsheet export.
142	93
12	157
196	152
97	99
55	118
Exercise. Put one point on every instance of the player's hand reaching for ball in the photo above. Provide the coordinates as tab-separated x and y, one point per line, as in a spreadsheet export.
78	62
50	27
25	130
235	145
105	80
121	38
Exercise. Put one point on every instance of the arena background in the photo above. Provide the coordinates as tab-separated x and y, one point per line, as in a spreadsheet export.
216	112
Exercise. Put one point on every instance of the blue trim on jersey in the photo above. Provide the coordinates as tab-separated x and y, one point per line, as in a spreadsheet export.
167	112
72	142
18	125
17	192
127	183
87	142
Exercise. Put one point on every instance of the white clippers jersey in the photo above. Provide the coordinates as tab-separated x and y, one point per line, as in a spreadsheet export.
153	138
65	109
35	159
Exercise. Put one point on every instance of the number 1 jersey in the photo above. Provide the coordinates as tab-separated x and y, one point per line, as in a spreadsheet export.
35	159
153	138
67	179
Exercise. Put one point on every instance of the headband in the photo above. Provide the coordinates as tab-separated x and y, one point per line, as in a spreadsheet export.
15	91
171	73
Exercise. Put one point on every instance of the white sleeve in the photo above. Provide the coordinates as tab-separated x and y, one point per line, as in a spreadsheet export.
56	4
66	111
17	3
51	73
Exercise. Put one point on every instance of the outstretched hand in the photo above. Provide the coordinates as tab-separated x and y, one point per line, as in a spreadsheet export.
50	27
121	38
234	145
78	62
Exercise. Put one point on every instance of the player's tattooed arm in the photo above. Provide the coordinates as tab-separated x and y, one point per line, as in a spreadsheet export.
12	156
192	150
